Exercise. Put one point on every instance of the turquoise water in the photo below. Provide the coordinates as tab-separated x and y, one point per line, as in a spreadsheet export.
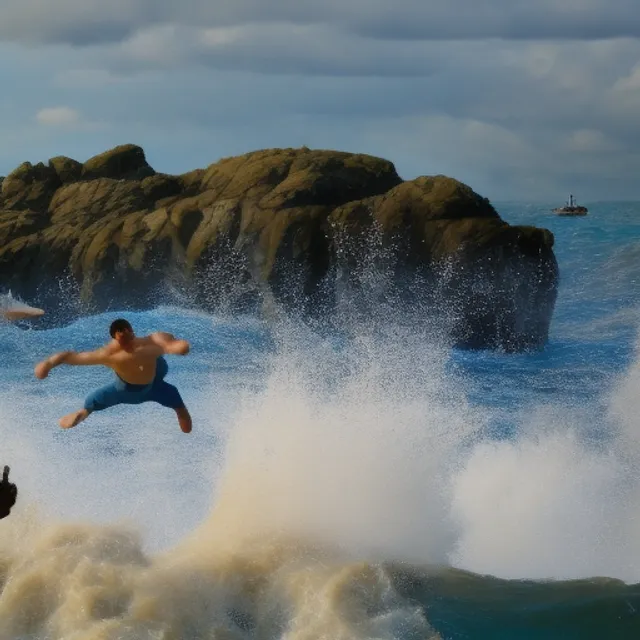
367	484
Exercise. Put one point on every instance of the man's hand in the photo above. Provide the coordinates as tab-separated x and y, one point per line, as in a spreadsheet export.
42	369
170	344
179	348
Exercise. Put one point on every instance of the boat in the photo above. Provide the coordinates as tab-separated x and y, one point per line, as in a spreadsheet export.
571	208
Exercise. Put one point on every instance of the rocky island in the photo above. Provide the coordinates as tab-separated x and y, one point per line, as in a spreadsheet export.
296	228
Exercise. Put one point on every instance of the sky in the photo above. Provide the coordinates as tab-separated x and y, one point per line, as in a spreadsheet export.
521	100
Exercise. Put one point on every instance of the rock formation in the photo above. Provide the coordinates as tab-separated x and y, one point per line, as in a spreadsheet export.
296	226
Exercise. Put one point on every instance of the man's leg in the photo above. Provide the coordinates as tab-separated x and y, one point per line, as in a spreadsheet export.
102	398
72	419
168	396
184	419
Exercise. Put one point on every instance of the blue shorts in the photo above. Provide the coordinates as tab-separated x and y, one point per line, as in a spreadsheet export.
121	392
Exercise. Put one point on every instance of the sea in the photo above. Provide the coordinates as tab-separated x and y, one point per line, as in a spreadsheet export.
363	480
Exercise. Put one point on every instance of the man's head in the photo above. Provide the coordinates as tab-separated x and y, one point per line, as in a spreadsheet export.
121	330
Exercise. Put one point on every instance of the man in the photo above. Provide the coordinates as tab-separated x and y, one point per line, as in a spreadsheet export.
8	494
139	367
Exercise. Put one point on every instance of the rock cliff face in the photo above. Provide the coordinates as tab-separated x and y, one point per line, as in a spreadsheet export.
296	226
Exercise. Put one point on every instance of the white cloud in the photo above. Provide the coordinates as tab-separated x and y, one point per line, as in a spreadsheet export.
220	36
163	46
58	117
591	141
66	119
630	82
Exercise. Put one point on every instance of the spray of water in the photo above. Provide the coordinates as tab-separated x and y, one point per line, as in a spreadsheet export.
556	502
351	452
354	446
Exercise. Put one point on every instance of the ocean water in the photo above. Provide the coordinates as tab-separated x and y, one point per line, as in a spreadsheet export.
367	482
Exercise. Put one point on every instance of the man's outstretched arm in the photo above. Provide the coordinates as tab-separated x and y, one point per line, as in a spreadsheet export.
169	344
69	357
21	314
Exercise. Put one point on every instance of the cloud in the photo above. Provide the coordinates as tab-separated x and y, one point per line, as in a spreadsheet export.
592	141
89	78
504	19
514	118
519	113
273	48
65	119
85	22
58	117
629	83
76	22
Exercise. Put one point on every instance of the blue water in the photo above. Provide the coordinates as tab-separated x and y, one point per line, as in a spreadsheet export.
594	328
340	485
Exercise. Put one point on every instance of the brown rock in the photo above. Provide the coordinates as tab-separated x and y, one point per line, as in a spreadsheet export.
29	187
126	162
280	224
67	169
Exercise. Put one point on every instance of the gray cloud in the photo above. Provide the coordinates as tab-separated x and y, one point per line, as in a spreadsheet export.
72	21
515	20
515	118
512	119
274	49
84	22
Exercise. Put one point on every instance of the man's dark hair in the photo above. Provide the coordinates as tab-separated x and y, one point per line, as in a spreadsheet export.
118	325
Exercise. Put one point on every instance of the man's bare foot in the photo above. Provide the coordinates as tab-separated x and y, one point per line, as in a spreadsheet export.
184	419
72	419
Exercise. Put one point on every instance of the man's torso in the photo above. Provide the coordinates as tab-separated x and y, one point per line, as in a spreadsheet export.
137	363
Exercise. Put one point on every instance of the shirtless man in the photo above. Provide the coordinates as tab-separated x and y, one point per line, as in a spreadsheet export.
139	367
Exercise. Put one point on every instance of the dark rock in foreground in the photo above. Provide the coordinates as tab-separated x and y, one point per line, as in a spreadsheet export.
307	229
8	494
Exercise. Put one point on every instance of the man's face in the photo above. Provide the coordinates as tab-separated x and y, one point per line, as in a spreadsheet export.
125	336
